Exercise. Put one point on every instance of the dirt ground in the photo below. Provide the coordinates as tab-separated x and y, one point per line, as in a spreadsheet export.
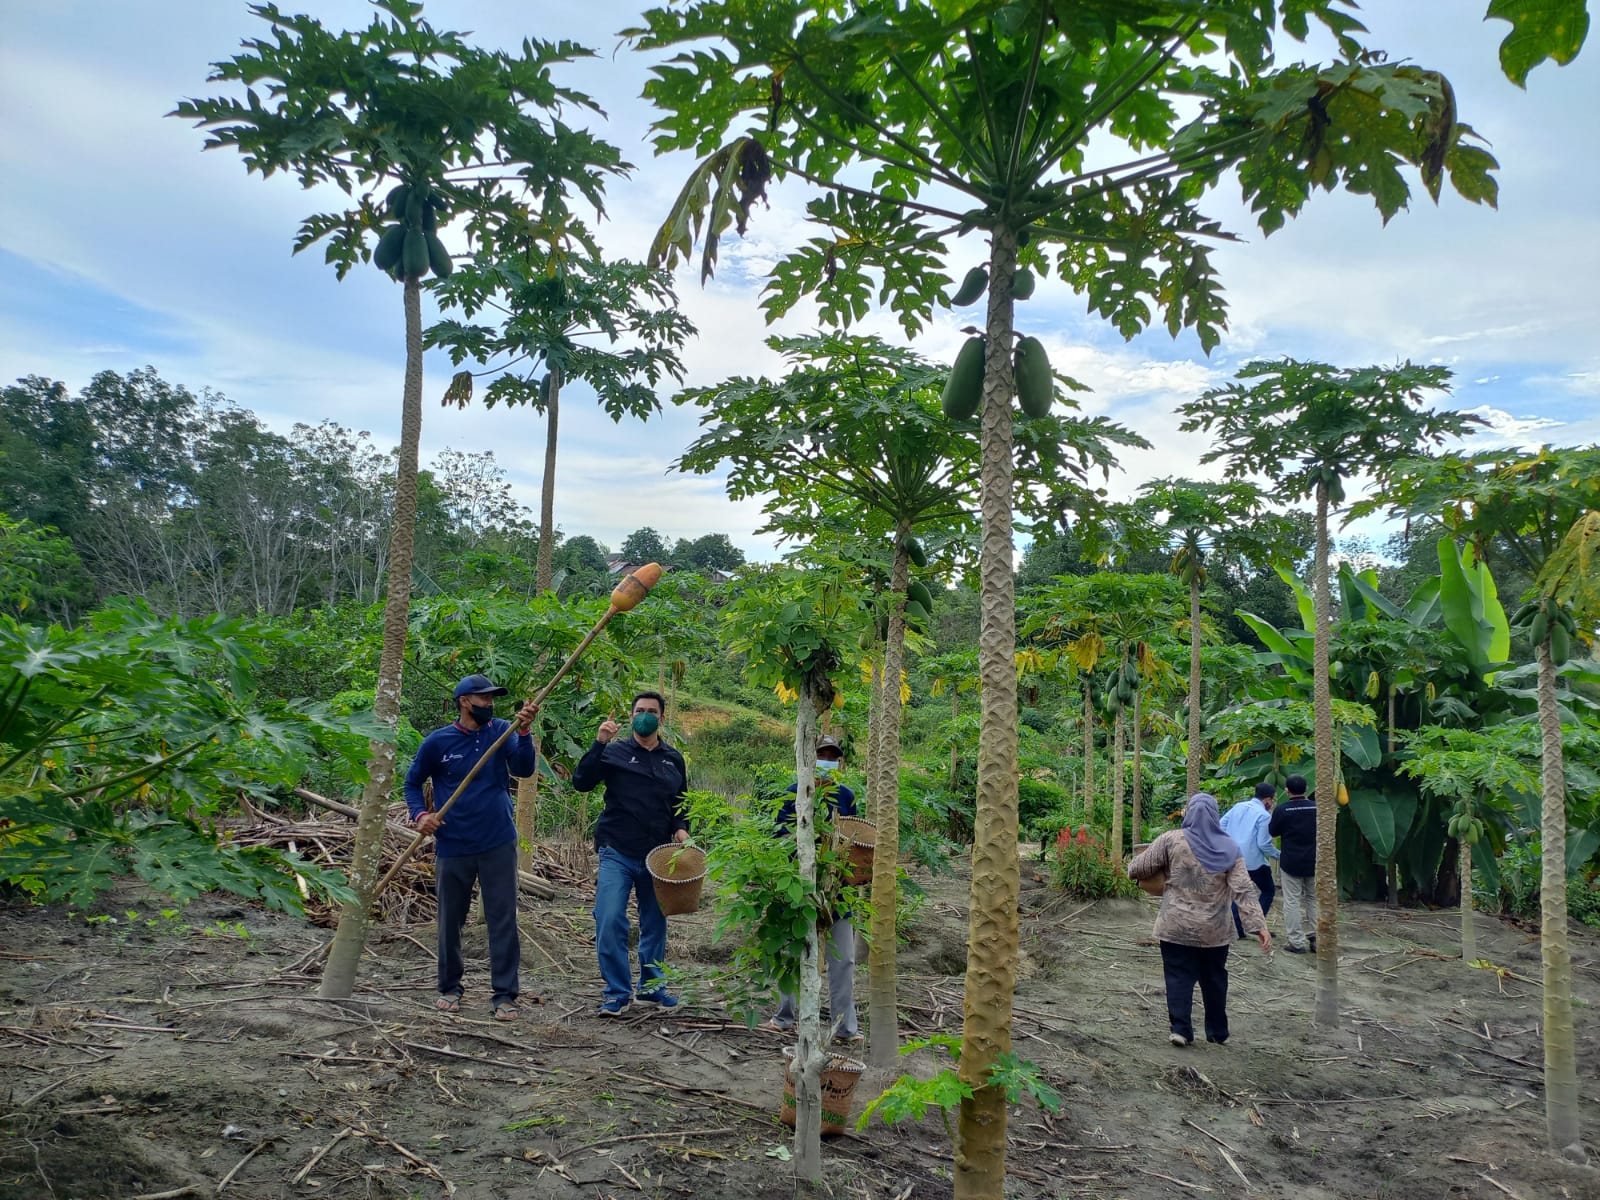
186	1054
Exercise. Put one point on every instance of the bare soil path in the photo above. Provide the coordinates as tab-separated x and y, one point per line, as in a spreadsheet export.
186	1055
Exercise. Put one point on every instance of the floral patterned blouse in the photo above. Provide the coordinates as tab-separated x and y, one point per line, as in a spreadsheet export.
1194	908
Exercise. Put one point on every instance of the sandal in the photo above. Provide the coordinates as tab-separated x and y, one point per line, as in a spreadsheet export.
448	1002
506	1010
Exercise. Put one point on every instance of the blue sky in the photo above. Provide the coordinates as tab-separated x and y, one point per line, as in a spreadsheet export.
121	245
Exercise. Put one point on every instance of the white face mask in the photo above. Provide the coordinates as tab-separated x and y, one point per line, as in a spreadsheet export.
827	765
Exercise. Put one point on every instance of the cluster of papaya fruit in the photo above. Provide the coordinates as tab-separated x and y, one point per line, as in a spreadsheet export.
1547	618
963	391
1466	828
919	599
1188	565
410	247
1124	683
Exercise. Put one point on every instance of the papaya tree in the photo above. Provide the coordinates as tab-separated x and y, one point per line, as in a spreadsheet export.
417	127
792	628
1476	770
1205	523
1116	617
569	315
1538	511
1308	427
921	120
852	437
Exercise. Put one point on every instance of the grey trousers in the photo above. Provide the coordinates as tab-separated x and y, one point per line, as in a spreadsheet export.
1299	908
841	984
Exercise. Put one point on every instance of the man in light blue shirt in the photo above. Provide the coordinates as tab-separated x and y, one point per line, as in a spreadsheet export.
1246	823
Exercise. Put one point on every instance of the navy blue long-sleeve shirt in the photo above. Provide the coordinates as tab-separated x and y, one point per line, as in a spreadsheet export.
484	817
839	799
645	791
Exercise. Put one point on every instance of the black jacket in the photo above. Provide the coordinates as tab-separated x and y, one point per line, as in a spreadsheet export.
1295	821
644	794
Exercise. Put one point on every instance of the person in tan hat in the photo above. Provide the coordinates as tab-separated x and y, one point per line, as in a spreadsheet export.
841	802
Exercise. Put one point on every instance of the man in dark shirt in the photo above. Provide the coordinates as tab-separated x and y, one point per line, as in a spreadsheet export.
841	937
1295	822
477	840
646	782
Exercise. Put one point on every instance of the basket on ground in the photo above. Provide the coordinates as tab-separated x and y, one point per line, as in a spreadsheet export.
678	872
858	838
839	1076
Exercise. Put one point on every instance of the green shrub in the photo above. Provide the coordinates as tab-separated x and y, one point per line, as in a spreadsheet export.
1082	868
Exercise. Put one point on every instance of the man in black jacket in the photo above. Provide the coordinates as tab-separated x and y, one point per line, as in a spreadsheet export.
1295	822
646	782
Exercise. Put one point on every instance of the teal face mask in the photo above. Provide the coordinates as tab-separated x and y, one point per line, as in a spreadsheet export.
646	723
827	765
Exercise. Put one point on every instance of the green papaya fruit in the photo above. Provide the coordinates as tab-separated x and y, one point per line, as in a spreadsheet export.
395	203
972	287
430	218
1539	630
1024	236
1568	621
918	591
1022	284
1560	644
1035	385
963	391
414	256
438	257
390	245
915	612
1524	614
915	552
416	205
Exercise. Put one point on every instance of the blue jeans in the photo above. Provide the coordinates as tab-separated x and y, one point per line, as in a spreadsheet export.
618	876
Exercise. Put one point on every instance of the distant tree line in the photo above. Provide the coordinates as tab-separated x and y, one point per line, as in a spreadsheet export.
135	486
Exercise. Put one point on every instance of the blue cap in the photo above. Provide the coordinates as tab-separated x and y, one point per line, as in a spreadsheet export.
477	685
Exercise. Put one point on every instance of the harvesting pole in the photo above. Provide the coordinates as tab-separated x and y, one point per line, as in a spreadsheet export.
624	597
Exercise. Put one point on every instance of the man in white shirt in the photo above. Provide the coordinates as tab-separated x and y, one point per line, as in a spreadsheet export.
1246	823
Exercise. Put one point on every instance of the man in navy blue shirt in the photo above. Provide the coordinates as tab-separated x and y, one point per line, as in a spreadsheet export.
646	783
841	954
477	840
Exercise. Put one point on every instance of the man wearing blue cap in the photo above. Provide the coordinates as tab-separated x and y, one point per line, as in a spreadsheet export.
477	841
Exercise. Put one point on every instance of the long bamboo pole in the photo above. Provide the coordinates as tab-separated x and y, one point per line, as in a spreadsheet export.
624	597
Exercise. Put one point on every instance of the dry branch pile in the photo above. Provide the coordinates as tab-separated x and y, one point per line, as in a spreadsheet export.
410	898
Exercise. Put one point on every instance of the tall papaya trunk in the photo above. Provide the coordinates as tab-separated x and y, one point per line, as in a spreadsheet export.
955	750
1119	787
980	1158
528	812
809	1052
1192	778
1326	1008
1560	1051
366	868
1469	941
1392	868
544	570
1138	765
1088	751
883	1047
